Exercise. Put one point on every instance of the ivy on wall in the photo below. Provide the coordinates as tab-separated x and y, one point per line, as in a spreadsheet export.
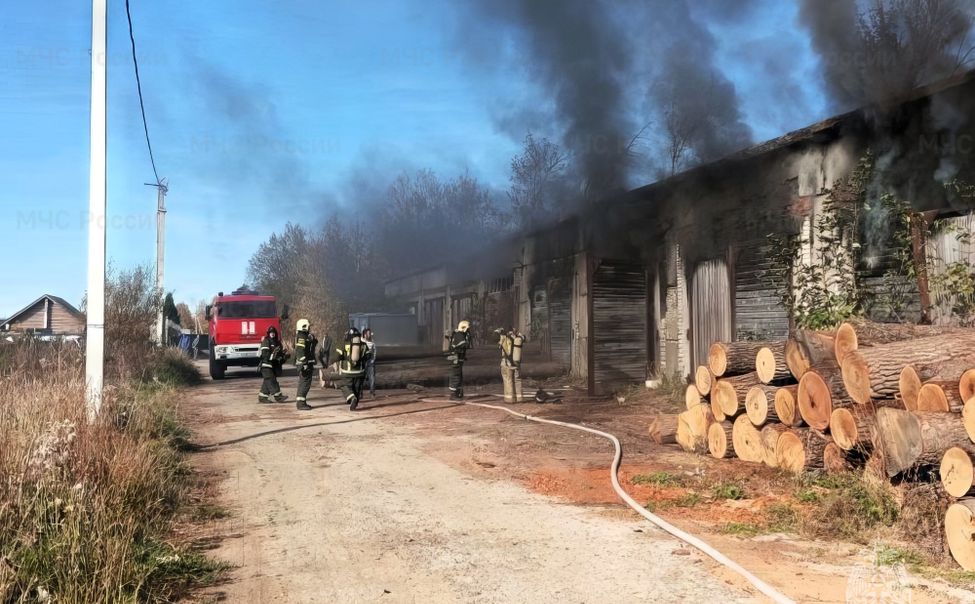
821	284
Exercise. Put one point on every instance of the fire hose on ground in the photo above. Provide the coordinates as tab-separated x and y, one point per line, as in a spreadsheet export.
691	540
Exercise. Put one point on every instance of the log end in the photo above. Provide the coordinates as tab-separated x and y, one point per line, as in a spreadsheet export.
844	342
909	384
785	406
960	532
931	397
790	455
856	378
703	380
957	472
770	437
765	365
966	385
815	400
968	418
843	427
716	411
747	440
692	397
726	397
718	358
756	405
718	444
692	429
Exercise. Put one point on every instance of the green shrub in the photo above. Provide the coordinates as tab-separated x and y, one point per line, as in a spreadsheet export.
729	490
741	529
660	479
888	555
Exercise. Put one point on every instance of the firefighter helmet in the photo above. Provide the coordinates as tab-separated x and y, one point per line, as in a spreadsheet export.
302	325
464	326
272	329
352	333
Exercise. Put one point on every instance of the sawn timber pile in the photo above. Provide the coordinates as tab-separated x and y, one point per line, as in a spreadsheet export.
897	401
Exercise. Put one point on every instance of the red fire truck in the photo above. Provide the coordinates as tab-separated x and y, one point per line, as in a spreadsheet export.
237	324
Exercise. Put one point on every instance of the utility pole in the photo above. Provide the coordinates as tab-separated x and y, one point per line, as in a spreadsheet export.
161	190
95	320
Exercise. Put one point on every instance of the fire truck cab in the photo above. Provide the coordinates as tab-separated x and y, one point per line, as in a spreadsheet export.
237	324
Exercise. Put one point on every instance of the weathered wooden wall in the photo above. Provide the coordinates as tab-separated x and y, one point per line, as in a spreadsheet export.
619	313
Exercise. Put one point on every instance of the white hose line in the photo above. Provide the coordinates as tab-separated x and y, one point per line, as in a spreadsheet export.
760	585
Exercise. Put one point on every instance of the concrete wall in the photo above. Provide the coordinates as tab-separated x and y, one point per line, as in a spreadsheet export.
672	317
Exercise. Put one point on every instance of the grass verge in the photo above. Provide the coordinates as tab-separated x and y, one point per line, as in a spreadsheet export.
86	508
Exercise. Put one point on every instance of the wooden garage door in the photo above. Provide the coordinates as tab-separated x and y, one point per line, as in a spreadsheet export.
559	321
619	320
710	308
759	312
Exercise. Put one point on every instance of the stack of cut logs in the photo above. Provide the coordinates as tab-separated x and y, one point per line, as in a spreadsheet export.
897	400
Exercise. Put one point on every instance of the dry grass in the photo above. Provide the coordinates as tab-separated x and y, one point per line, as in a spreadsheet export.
86	509
847	506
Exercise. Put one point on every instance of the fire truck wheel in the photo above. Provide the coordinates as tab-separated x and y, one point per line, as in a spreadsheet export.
216	368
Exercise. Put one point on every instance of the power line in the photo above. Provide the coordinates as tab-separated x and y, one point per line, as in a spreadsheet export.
138	83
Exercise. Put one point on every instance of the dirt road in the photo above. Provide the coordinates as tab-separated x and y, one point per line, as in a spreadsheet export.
330	506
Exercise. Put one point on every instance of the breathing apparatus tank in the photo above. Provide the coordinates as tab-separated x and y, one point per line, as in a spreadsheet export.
516	342
353	340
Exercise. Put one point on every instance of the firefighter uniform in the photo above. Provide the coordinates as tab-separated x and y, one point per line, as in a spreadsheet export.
272	356
459	343
510	344
305	345
352	359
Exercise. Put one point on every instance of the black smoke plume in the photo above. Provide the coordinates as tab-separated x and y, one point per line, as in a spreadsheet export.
600	61
575	52
881	50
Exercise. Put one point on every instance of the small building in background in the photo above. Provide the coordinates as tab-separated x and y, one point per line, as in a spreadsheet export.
390	329
46	316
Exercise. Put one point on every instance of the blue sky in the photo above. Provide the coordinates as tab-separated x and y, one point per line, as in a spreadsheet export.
261	112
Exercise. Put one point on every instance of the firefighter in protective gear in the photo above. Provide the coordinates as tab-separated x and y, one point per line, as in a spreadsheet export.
510	343
305	347
272	356
352	359
459	343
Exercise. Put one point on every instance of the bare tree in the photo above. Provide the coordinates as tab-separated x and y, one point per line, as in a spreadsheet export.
699	124
272	268
537	181
428	220
908	43
186	319
680	132
201	316
889	48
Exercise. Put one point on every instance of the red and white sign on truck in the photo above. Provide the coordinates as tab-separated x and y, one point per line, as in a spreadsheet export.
237	324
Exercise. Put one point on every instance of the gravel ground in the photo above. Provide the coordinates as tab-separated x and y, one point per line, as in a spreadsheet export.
327	506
